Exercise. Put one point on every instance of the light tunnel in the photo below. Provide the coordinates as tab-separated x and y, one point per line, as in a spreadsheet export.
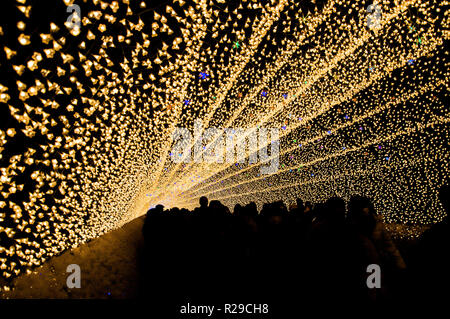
92	93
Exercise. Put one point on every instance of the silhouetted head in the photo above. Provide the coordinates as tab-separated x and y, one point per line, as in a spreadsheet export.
217	209
319	210
308	207
215	204
265	209
281	207
237	209
250	210
203	202
335	209
361	213
159	208
292	207
300	205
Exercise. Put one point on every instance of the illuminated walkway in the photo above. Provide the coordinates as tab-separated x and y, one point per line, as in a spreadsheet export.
108	269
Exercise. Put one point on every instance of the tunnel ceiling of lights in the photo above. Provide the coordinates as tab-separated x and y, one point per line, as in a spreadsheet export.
88	112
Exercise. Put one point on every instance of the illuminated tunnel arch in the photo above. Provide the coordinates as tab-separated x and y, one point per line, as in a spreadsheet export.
87	141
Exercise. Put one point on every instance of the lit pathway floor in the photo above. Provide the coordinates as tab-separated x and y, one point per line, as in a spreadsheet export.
109	269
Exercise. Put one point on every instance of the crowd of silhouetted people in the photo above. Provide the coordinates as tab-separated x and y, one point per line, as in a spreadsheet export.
305	255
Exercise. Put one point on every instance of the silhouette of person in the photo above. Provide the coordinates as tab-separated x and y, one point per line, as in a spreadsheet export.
363	216
203	209
300	206
430	262
203	202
